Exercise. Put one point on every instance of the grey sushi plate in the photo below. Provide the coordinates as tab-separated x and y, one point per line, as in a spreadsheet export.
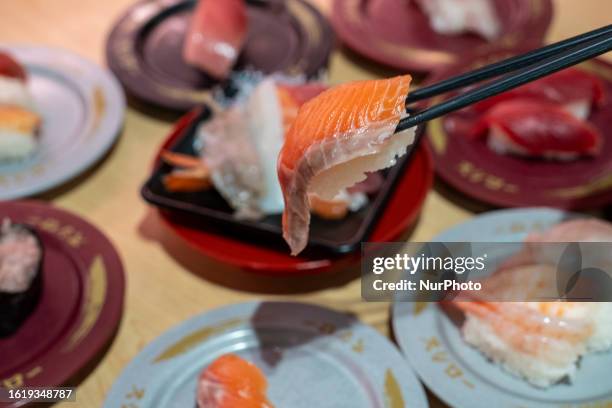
459	374
82	108
312	357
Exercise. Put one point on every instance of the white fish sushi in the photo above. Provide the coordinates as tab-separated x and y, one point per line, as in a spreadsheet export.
453	17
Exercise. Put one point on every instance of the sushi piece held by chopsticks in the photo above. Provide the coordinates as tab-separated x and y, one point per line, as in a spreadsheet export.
337	138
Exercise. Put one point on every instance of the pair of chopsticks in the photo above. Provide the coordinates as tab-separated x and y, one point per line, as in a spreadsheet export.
519	70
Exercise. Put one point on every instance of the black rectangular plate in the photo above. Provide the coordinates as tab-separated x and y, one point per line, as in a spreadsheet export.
208	210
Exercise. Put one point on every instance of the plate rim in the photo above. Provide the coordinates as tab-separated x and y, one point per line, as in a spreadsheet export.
108	134
341	25
591	201
246	309
310	266
404	312
160	99
112	310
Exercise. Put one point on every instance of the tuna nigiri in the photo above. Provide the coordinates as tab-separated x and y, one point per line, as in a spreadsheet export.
461	16
336	138
576	90
232	382
534	128
216	35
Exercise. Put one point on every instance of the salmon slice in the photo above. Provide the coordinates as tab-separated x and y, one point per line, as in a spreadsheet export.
216	35
336	138
232	382
534	128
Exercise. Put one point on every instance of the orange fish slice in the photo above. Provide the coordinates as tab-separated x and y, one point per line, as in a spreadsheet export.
336	138
232	382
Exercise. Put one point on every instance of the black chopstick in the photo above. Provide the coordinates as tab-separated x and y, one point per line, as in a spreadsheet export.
506	66
565	59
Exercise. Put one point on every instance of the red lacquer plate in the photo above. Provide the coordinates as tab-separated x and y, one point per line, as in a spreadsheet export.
510	181
80	305
400	213
396	33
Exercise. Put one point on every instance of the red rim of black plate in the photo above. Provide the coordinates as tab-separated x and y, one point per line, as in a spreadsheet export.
399	214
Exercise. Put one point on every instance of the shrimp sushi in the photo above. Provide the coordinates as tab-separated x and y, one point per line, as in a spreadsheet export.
336	138
19	122
532	128
454	17
541	342
578	91
232	382
216	35
21	256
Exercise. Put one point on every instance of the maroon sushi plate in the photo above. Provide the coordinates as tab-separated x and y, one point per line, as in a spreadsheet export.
399	214
511	181
80	305
144	48
397	34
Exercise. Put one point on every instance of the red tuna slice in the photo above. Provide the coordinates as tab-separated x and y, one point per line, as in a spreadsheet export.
578	91
216	35
11	68
303	93
537	129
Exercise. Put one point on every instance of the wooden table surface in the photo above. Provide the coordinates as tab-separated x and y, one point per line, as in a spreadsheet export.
167	282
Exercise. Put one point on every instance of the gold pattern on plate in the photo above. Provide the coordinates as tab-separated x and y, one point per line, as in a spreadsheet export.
476	175
95	294
191	340
393	393
537	7
309	22
599	185
19	379
438	354
419	307
603	71
306	18
99	106
406	52
192	95
409	53
437	136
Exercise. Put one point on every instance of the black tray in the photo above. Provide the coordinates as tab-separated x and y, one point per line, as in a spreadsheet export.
208	210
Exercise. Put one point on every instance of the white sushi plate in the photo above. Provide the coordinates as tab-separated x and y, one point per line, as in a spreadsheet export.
459	374
311	356
82	108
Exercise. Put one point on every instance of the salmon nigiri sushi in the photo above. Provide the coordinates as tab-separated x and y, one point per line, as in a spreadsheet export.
336	138
232	382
